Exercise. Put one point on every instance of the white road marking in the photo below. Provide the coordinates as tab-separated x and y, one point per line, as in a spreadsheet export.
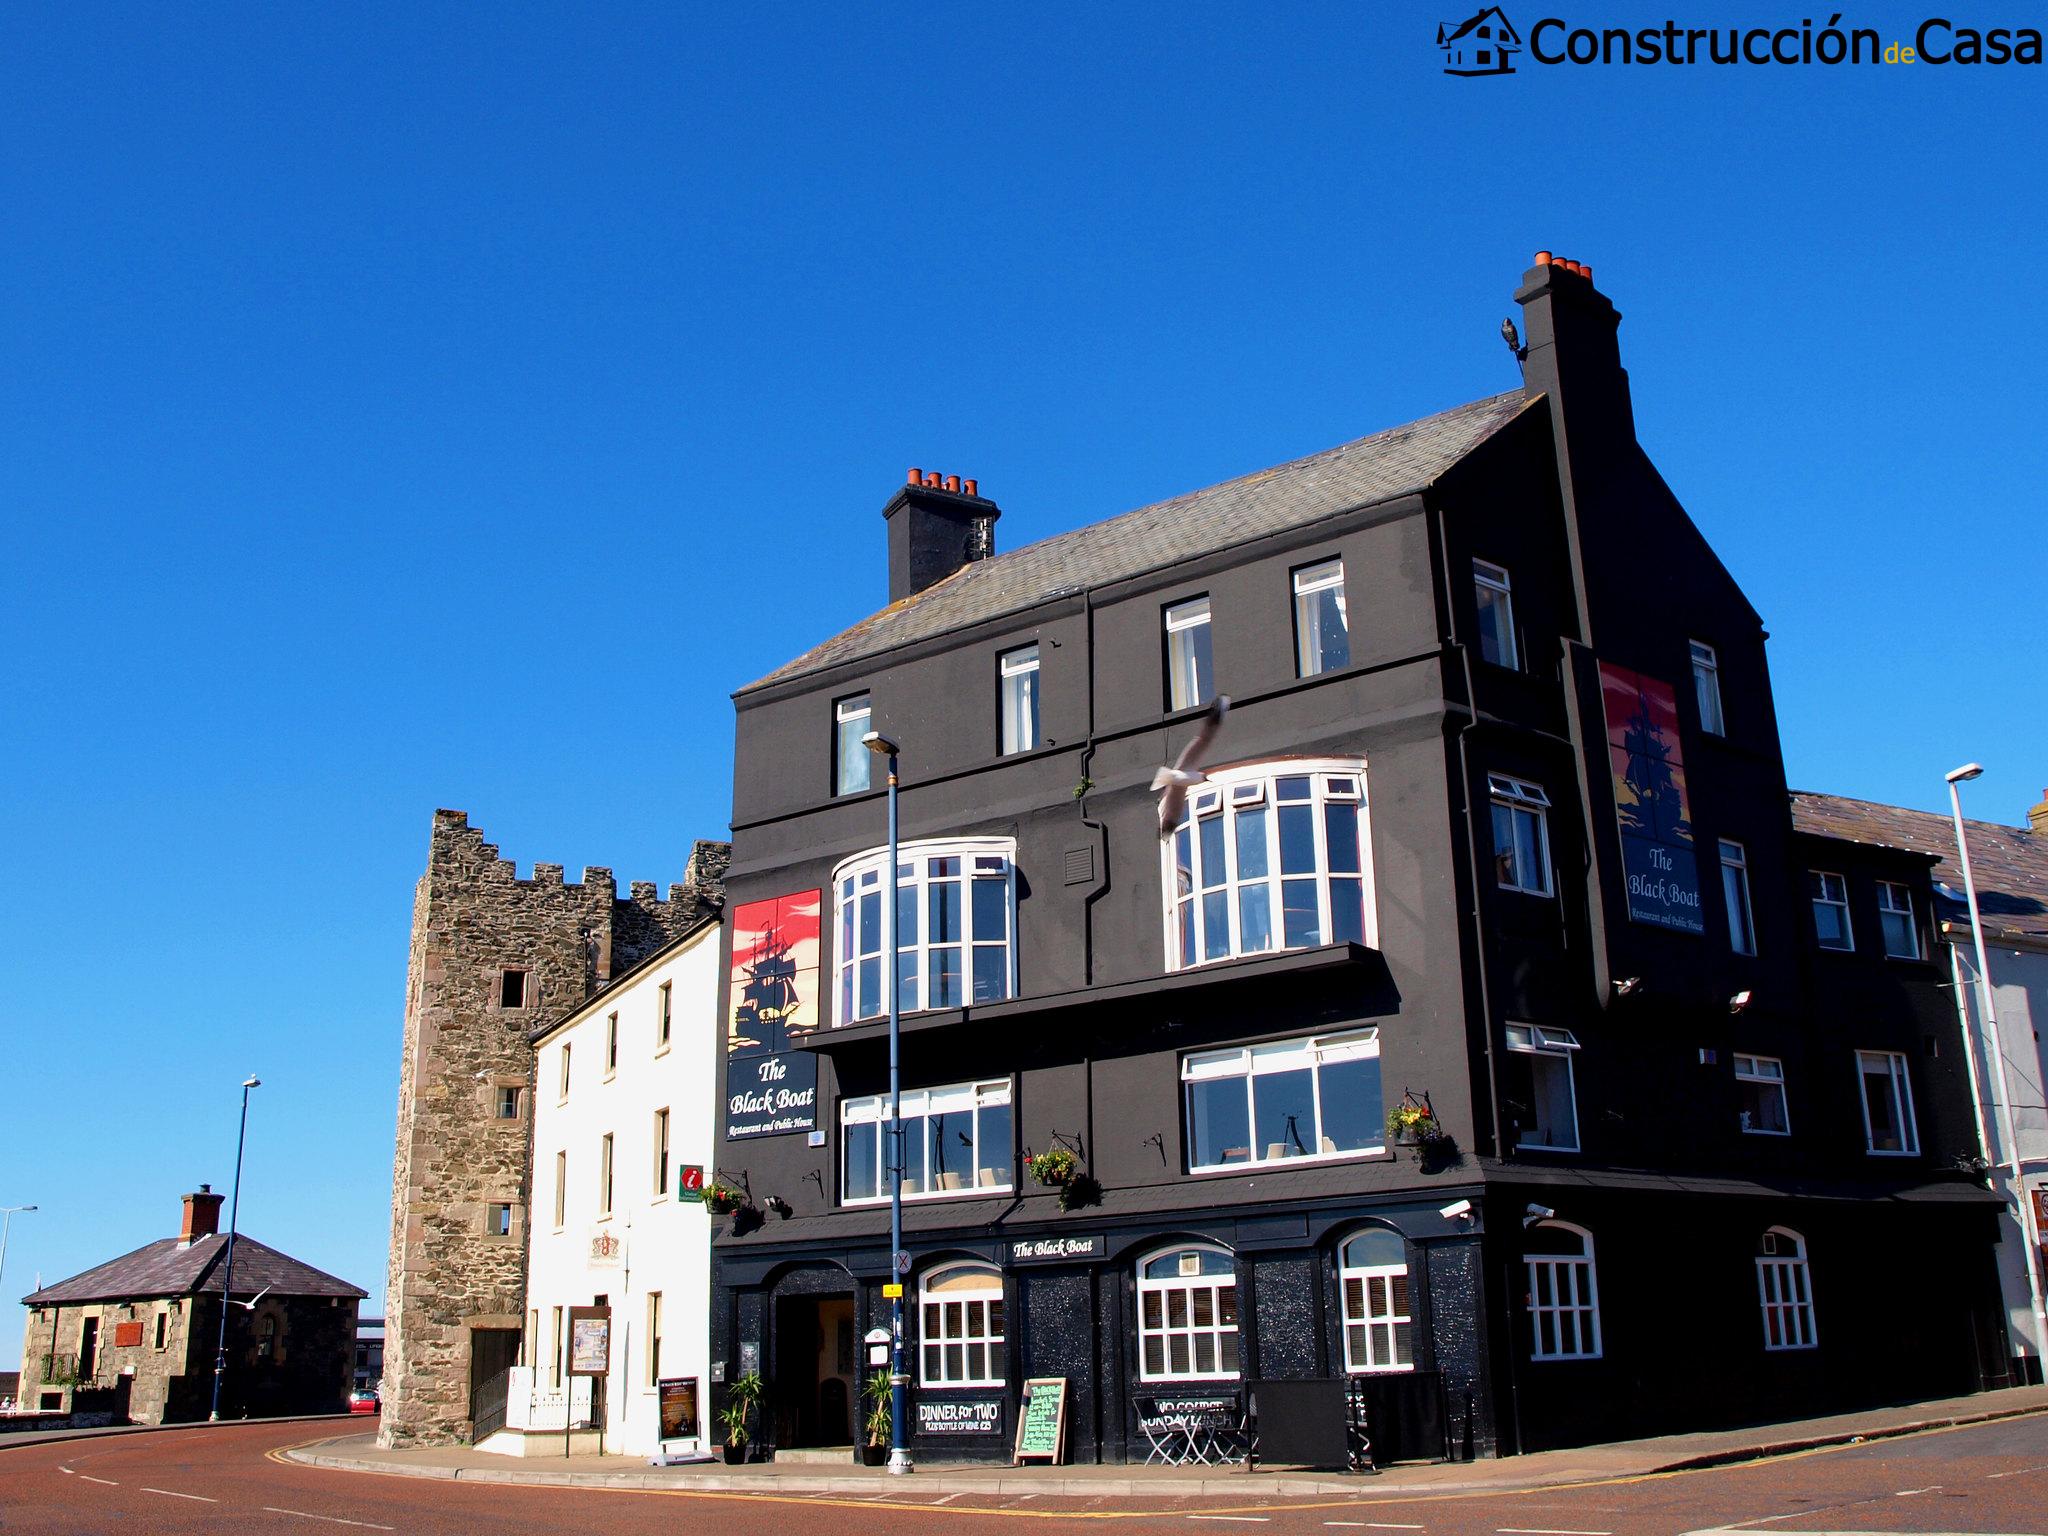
1907	1493
65	1470
172	1493
104	1482
949	1498
2018	1472
272	1509
1527	1530
1236	1519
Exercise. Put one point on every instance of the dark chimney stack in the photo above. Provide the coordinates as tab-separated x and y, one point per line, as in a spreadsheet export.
2037	816
937	524
202	1215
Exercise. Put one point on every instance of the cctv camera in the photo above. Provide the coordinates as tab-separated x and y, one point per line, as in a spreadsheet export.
1456	1209
1536	1213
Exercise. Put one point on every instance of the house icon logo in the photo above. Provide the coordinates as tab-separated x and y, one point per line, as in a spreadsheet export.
1484	44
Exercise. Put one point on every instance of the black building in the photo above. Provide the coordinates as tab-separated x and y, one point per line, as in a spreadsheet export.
1496	828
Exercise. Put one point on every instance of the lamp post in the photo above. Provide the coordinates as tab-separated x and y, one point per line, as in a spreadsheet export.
227	1288
899	1454
2000	1087
6	1221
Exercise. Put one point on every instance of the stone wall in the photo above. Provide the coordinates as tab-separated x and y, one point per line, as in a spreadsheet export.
473	919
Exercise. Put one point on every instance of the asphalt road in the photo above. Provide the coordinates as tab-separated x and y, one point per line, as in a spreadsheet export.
1983	1478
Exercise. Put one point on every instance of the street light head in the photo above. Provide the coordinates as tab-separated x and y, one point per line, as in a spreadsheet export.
1967	772
879	744
252	1081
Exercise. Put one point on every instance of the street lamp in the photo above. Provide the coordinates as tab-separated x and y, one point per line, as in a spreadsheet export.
899	1455
6	1221
2000	1087
227	1288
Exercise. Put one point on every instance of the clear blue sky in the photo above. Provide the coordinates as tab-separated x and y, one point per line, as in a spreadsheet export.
410	406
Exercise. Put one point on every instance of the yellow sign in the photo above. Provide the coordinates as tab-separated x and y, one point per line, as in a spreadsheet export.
892	1293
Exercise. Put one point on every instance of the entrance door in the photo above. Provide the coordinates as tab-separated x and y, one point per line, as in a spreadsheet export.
492	1354
815	1353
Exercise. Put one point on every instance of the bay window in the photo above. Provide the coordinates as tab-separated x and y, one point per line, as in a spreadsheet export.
1270	856
1264	1104
1187	1315
953	934
957	1140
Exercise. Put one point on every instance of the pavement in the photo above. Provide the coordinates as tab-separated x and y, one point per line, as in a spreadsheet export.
1544	1469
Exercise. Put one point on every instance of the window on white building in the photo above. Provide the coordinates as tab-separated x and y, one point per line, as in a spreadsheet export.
1496	614
1372	1279
660	1152
1895	916
957	1140
1270	856
1888	1128
1784	1290
961	1333
1735	890
555	1348
1760	1092
955	921
611	1046
1537	1079
850	755
1521	834
1187	1315
1190	665
1260	1104
1564	1292
1017	698
653	1338
604	1175
561	1189
1830	910
1322	635
665	1014
562	1090
1706	686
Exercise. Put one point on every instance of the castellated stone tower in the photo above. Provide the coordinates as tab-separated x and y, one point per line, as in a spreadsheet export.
492	957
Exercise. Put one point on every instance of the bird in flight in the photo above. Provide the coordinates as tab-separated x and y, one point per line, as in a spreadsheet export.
1186	770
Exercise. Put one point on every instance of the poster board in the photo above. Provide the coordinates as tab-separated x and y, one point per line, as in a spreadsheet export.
590	1341
1042	1421
679	1435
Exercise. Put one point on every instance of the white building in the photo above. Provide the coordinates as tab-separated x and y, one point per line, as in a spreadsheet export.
623	1099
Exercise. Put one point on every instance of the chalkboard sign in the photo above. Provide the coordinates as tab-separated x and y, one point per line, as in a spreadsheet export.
1042	1422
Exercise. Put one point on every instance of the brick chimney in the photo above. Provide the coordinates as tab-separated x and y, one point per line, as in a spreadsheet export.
202	1215
2037	817
937	524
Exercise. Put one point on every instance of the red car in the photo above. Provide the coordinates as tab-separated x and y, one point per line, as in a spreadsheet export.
364	1400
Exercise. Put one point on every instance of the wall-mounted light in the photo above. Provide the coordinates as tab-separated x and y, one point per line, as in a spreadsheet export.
781	1207
1739	1001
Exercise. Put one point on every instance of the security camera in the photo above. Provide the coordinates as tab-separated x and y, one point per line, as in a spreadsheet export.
1536	1213
1457	1209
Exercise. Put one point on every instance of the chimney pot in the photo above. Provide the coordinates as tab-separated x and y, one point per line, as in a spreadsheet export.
1586	272
2037	816
932	479
970	487
914	476
1543	258
953	483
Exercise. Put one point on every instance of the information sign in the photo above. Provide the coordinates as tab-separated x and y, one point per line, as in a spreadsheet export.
1042	1421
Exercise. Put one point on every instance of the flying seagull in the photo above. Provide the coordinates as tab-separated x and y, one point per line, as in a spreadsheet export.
1187	768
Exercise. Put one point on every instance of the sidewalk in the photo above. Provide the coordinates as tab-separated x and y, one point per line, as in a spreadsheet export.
1546	1469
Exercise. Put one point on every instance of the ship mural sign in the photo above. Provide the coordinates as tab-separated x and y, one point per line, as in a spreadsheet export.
774	983
1648	765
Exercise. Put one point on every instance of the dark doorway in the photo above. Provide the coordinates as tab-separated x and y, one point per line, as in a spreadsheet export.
88	1349
814	1371
492	1354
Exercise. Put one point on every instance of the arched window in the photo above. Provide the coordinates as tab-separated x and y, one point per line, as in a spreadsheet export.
1269	856
1784	1290
1187	1315
962	1333
1372	1278
1564	1292
954	933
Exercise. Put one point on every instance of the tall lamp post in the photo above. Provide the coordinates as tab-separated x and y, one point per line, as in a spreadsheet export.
899	1454
2000	1086
227	1288
6	1221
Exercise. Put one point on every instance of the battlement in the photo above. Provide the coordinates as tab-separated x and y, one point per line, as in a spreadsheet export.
458	849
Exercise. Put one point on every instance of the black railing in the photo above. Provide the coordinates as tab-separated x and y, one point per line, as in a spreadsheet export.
488	1411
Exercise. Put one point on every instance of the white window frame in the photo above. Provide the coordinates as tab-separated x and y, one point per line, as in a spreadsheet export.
606	1150
1017	700
867	874
561	1189
1706	688
664	1017
1191	692
1574	1299
498	1093
1255	1061
1901	1081
653	1381
847	746
660	1138
1769	1071
1390	1322
1784	1292
611	1045
1488	577
1519	797
562	1087
1254	787
1889	891
933	1345
1310	582
1820	898
873	1111
1558	1045
1735	862
1187	1285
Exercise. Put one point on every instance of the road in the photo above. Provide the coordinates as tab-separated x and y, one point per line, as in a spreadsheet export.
1982	1478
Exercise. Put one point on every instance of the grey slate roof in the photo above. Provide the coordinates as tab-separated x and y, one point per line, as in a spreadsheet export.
1373	469
2010	863
162	1268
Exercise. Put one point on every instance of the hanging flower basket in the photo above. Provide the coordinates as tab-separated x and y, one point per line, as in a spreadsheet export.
723	1200
1054	1168
1412	1125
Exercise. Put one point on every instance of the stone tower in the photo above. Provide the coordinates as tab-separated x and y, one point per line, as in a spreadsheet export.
492	957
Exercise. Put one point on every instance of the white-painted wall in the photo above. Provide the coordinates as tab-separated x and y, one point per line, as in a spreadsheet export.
665	1243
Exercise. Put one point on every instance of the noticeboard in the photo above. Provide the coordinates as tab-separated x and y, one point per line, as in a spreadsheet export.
590	1341
679	1401
1042	1421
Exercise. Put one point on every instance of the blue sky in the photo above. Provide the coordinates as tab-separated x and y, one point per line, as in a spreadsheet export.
418	405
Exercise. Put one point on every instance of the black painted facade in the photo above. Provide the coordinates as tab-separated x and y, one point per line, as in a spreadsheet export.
1606	568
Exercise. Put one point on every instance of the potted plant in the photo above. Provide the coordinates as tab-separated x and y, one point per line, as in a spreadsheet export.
741	1397
1055	1167
880	1418
1411	1125
722	1199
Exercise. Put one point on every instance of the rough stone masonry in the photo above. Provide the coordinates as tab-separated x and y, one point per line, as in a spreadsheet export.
459	1154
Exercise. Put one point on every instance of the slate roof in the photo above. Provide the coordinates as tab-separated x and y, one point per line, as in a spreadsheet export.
2010	863
162	1268
1373	469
